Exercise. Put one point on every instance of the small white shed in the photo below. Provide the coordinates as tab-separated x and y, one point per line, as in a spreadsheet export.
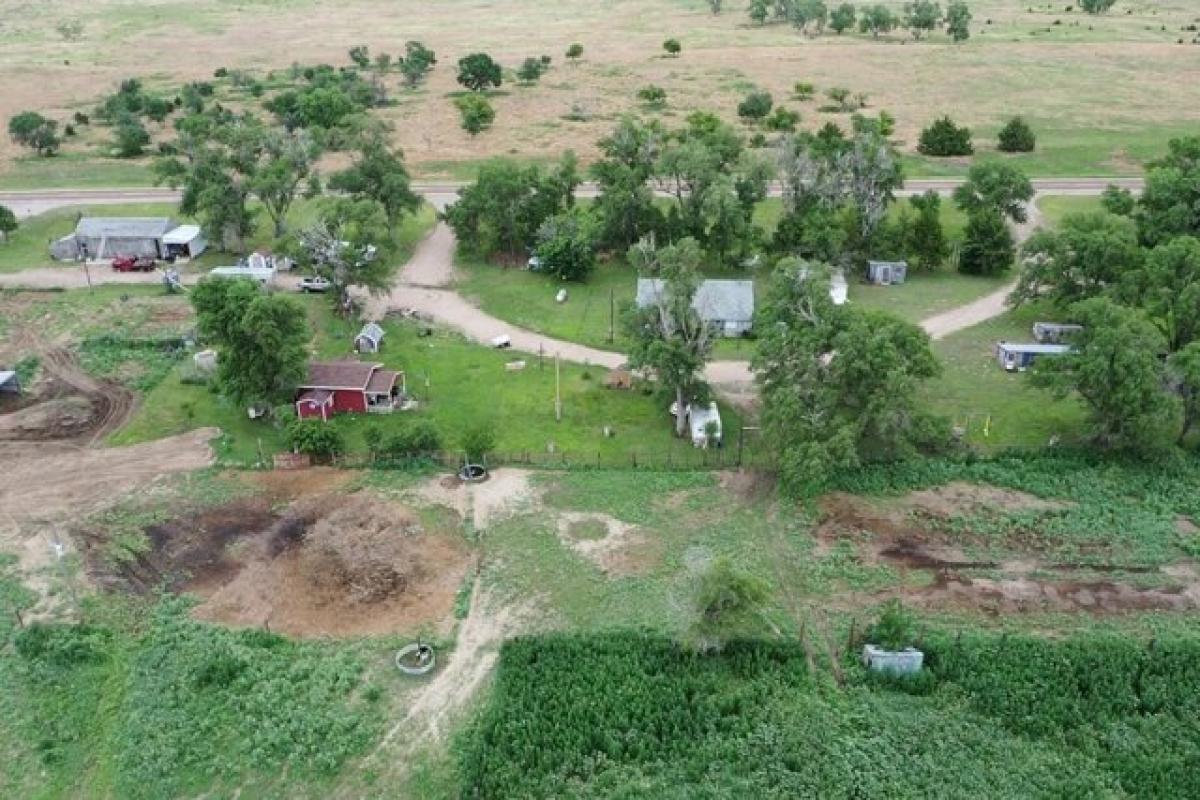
698	419
369	339
886	273
264	277
10	383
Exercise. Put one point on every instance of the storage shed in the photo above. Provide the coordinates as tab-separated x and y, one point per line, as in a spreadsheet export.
108	237
10	383
264	277
1054	332
886	273
1017	357
728	304
348	387
186	241
369	339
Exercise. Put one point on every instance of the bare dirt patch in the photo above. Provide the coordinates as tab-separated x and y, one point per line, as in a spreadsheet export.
482	503
616	548
909	535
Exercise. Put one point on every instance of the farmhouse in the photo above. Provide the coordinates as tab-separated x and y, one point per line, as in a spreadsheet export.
728	304
348	387
1018	357
107	237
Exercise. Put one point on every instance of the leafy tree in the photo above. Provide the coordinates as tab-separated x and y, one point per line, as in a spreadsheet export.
30	129
755	106
672	47
877	19
669	336
625	209
476	112
417	63
261	339
531	70
838	384
988	247
921	16
8	222
997	187
958	21
758	11
1116	367
349	244
574	52
726	603
653	96
158	109
1086	256
1183	370
715	6
1169	290
501	212
566	245
1016	137
804	13
1096	6
1117	200
944	138
1169	205
287	163
478	71
15	597
383	63
315	438
927	243
360	55
378	173
842	19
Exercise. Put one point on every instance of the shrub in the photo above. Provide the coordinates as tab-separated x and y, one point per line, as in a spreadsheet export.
726	603
531	70
944	138
987	247
653	96
476	112
315	438
1016	137
418	438
755	106
575	51
672	46
804	91
566	245
478	440
783	120
895	629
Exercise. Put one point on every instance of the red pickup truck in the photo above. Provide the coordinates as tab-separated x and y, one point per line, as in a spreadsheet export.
133	264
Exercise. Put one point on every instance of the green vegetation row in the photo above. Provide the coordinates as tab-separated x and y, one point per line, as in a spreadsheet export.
629	714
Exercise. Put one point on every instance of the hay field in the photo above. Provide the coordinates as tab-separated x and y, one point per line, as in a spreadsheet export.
1105	92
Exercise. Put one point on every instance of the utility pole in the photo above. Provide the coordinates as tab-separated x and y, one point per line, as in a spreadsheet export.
557	390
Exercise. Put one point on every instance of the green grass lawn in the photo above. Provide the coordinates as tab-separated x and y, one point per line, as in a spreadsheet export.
75	170
1054	208
458	384
999	409
924	294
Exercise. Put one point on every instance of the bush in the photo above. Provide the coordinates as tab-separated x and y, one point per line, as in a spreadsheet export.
653	96
575	51
943	138
315	438
804	91
782	120
755	106
478	441
531	70
418	438
566	245
477	114
1016	137
895	629
672	46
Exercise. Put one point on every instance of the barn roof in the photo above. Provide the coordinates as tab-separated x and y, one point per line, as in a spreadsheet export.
382	381
124	227
339	375
716	300
184	234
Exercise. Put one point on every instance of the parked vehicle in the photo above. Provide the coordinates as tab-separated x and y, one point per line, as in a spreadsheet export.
315	284
133	264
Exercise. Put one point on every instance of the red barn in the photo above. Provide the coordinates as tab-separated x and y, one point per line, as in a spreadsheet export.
348	387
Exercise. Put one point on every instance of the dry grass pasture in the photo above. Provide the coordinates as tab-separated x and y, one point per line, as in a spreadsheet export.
1104	92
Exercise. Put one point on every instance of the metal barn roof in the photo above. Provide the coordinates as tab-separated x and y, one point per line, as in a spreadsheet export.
124	227
184	234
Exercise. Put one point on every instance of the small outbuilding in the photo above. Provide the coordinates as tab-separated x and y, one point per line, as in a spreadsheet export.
1018	357
348	387
369	339
261	276
729	304
186	241
10	382
886	273
704	425
98	238
839	290
1054	332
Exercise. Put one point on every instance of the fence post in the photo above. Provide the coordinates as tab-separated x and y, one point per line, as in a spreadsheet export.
633	458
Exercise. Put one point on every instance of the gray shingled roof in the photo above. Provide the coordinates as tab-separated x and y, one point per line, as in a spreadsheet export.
716	300
124	227
339	375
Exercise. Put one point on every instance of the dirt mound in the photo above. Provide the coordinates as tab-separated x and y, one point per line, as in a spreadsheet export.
362	551
324	565
70	405
1025	595
57	418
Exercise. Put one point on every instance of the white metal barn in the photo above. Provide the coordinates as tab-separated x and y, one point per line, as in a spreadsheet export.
186	241
109	237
